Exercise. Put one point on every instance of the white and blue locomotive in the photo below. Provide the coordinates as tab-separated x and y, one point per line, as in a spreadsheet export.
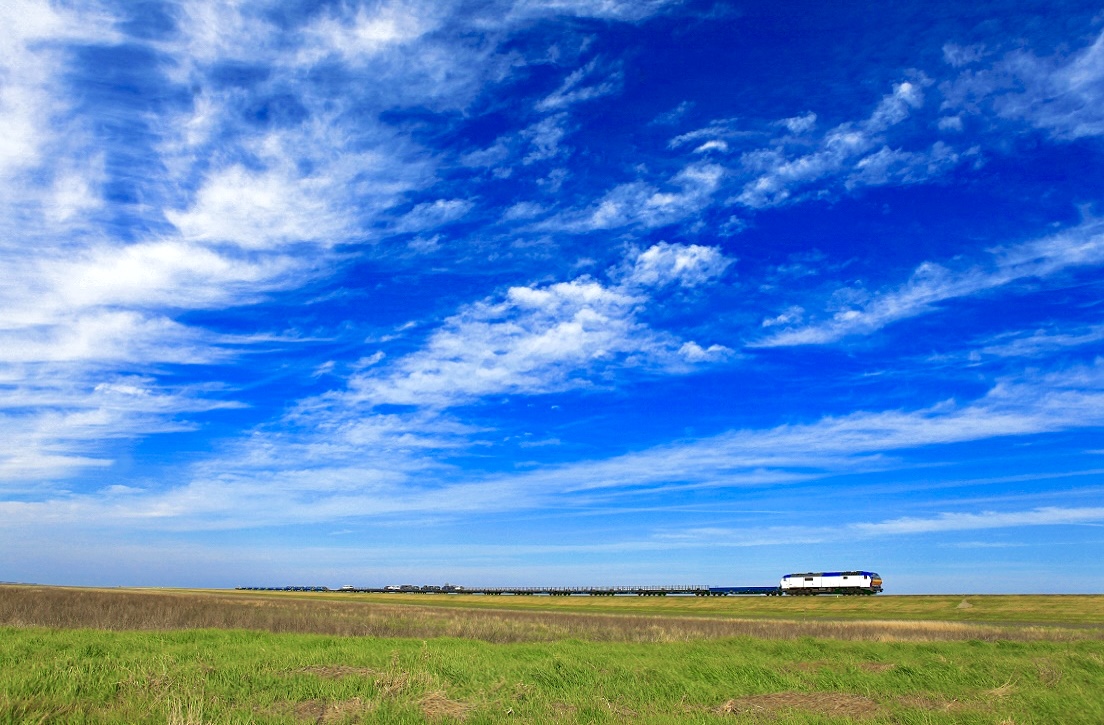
831	582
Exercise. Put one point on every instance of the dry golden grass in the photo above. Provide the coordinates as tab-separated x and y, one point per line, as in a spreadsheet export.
32	606
1062	610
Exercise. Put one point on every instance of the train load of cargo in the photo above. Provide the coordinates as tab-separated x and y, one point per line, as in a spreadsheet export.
806	584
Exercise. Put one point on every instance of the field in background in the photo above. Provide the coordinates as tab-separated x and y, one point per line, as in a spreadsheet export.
516	619
77	655
1067	610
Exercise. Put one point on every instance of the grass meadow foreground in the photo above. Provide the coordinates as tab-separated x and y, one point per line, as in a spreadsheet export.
72	655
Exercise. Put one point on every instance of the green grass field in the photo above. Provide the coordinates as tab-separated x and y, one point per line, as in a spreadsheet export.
69	655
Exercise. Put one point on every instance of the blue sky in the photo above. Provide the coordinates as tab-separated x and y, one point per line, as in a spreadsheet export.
552	293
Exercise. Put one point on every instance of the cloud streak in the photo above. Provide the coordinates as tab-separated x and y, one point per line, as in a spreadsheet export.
932	285
542	339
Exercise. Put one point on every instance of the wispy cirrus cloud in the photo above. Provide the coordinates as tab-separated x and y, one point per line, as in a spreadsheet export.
249	179
65	424
540	339
1039	343
621	10
902	527
338	452
838	444
1046	516
932	284
358	34
368	263
362	465
642	204
32	56
430	215
788	162
1063	94
850	155
575	88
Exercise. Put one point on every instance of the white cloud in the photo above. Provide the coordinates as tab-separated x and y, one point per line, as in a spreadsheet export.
721	130
833	445
544	138
157	274
1041	342
641	204
688	265
119	337
61	425
624	10
367	32
695	353
29	65
318	181
535	340
573	90
950	123
855	154
800	124
791	315
359	463
541	339
211	30
895	107
523	210
252	210
83	298
714	145
962	55
258	210
1047	516
673	116
433	214
354	464
905	526
932	284
886	166
1063	95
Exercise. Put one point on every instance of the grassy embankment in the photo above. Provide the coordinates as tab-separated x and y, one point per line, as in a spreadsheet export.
61	663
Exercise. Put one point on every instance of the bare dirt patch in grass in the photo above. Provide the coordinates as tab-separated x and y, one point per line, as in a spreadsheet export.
830	704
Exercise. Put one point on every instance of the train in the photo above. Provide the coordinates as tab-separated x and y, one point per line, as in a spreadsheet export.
801	584
831	582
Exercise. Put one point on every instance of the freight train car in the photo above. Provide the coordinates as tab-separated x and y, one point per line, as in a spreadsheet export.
831	582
